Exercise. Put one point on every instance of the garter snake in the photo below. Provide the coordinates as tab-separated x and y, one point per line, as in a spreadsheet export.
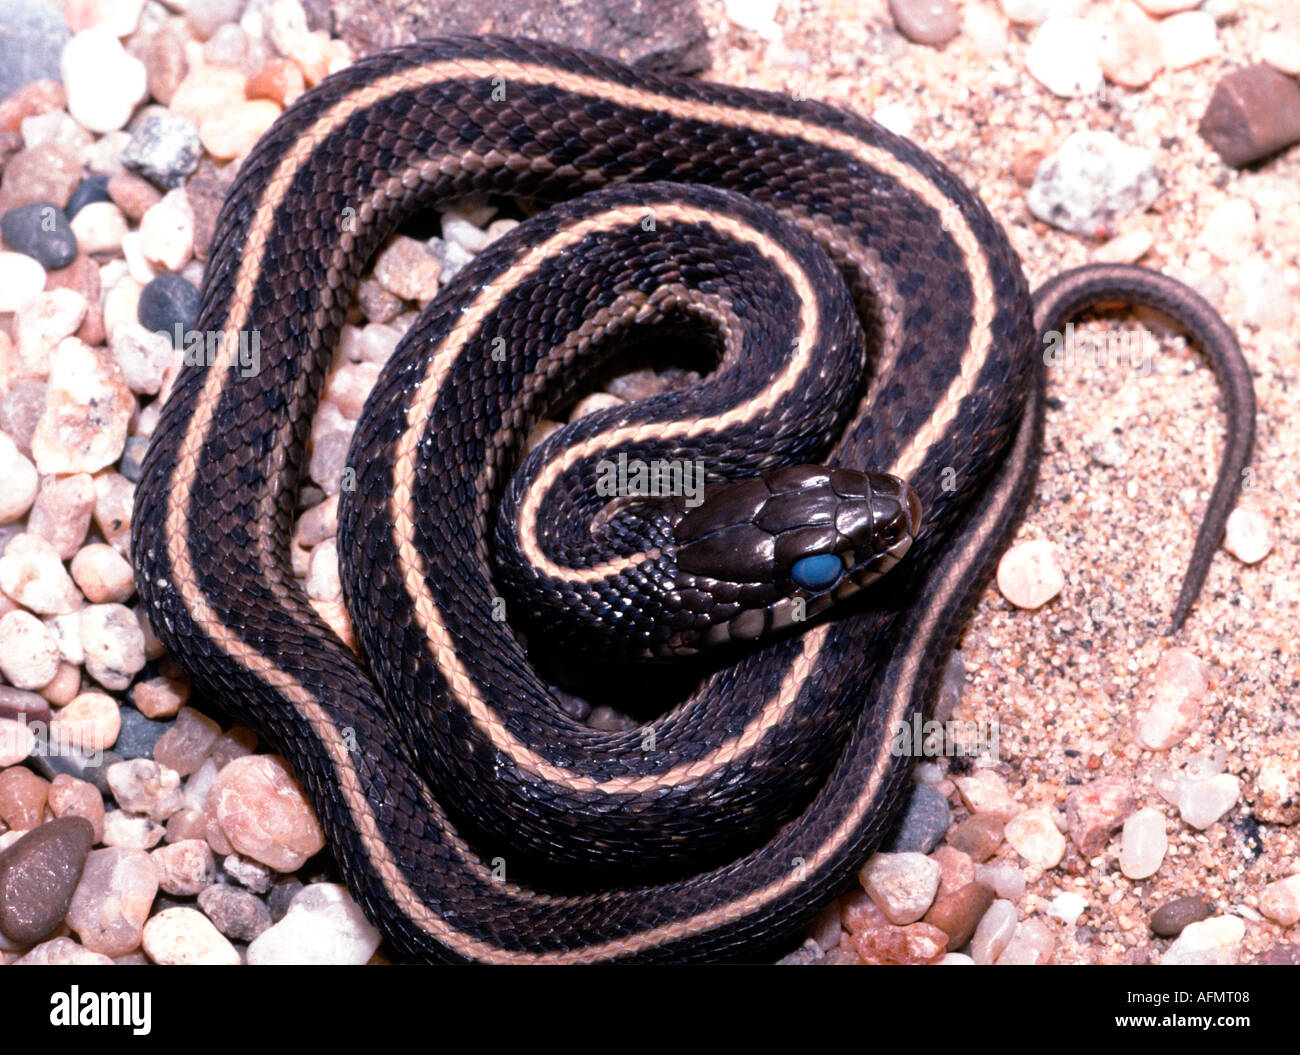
444	760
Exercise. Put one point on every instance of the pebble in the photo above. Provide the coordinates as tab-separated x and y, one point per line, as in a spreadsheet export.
21	279
1097	809
1203	802
38	875
167	302
1187	38
1265	299
232	133
1065	57
91	189
131	831
1177	685
43	173
323	926
281	895
261	810
994	932
167	232
42	323
103	82
1277	791
1208	942
70	797
1032	943
1035	12
1035	837
1090	181
41	231
254	875
1143	844
58	128
1029	574
186	936
139	734
986	792
61	513
186	745
20	478
63	951
119	17
236	913
160	698
958	913
1230	230
22	798
1281	49
956	869
100	227
29	653
1170	918
102	574
923	823
133	194
114	644
932	22
903	885
185	867
916	943
90	722
1253	112
16	742
1280	901
143	786
408	270
1007	881
189	823
32	573
1067	906
979	836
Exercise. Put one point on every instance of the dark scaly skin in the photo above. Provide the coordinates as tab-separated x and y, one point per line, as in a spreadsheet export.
868	658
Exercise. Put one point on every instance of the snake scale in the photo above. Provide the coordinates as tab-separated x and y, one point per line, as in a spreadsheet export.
877	401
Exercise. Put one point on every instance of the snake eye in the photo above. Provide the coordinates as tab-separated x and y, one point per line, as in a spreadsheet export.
817	573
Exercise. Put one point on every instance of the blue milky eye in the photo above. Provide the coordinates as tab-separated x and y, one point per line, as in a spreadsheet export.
817	573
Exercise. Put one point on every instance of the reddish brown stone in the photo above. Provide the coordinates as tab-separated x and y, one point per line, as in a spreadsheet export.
1095	810
958	914
914	944
1254	112
22	798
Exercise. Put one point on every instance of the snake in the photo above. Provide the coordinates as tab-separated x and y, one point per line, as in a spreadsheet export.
866	436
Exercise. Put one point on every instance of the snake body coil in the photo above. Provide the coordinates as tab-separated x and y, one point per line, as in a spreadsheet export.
720	828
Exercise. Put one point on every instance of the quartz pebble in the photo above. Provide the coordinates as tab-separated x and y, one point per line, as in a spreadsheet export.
131	831
1277	791
1064	57
167	232
90	722
1032	943
21	279
70	797
236	913
985	792
160	697
1265	300
1029	574
38	875
102	574
144	786
254	875
64	951
958	913
1203	802
408	270
926	21
1230	230
1175	690
1129	54
22	798
184	867
979	836
232	133
1280	901
1143	844
902	885
87	412
114	644
323	926
29	653
1067	907
16	742
186	936
1006	881
20	479
1169	920
1208	942
103	82
993	932
913	944
1187	38
112	900
62	511
1035	836
260	808
43	322
186	744
33	575
1097	809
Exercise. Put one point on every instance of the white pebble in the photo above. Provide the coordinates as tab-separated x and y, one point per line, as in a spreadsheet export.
323	926
103	82
186	936
1064	57
20	481
1143	844
1203	802
1209	942
1248	535
99	227
1187	38
903	886
29	653
21	279
1029	574
1230	230
1035	837
33	575
1068	907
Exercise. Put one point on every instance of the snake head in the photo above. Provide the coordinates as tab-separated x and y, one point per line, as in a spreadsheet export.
761	554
